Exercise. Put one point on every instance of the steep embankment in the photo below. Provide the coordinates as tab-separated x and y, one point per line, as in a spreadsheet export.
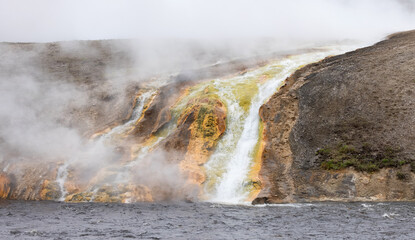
342	128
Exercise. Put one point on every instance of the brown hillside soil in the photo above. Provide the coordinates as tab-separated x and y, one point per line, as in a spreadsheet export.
342	128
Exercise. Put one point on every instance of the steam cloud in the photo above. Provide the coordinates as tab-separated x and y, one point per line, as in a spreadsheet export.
172	36
54	20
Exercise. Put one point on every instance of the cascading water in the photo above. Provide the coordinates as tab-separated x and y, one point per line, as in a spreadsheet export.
61	178
141	101
6	167
228	168
106	138
124	173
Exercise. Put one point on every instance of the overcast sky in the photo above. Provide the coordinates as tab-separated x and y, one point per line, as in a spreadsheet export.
53	20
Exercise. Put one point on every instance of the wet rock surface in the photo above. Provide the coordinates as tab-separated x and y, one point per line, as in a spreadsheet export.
54	220
32	181
363	100
4	185
200	126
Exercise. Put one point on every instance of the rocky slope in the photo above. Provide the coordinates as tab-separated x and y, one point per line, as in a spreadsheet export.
342	128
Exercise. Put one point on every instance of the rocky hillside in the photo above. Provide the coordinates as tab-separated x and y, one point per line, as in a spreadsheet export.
343	128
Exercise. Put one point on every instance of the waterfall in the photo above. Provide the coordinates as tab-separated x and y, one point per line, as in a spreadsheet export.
141	101
229	166
61	178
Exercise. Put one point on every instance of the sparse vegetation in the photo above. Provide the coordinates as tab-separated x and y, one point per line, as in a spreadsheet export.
364	159
401	176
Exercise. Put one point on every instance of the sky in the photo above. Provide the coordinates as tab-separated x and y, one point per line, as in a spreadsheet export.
57	20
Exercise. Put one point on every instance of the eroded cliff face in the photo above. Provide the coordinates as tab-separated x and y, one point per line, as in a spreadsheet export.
342	128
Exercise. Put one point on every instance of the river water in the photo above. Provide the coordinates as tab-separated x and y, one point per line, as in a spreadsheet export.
180	220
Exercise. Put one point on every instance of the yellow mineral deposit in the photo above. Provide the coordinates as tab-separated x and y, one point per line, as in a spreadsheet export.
4	185
206	130
254	185
50	190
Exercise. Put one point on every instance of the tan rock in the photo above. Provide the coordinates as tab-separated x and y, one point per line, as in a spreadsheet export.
125	193
50	190
199	128
5	186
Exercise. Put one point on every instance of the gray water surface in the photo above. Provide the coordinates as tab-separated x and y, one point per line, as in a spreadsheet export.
55	220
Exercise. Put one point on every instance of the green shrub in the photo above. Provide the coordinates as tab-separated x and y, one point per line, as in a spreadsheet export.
323	151
401	176
364	159
345	149
367	167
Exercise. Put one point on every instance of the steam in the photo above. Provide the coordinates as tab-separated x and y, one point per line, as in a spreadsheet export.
44	87
41	119
56	20
32	120
185	34
156	172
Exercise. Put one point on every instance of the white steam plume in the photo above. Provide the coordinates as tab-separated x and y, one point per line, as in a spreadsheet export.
299	20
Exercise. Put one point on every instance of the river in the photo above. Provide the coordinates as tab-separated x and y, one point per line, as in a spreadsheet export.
180	220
